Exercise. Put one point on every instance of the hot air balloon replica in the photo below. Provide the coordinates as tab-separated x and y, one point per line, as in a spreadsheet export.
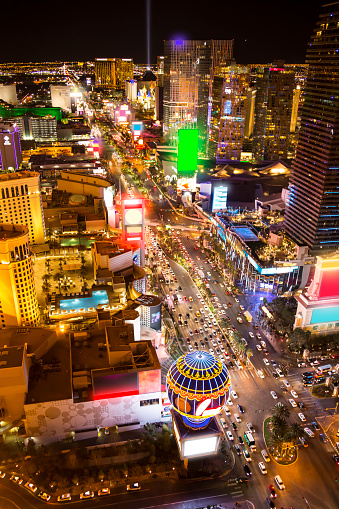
198	386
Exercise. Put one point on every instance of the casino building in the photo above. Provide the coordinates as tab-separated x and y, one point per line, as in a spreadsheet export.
71	387
198	386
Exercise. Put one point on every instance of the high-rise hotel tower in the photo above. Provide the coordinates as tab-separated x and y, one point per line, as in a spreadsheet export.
189	69
312	216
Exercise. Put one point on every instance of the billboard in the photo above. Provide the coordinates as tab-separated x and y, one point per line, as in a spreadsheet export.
219	198
136	130
187	151
200	446
329	285
115	386
325	315
149	381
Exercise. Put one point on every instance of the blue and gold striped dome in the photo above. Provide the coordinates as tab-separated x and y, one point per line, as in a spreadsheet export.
198	384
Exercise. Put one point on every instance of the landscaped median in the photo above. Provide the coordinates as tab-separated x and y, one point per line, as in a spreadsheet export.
282	455
321	391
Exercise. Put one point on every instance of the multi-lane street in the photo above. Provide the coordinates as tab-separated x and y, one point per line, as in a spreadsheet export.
315	464
311	482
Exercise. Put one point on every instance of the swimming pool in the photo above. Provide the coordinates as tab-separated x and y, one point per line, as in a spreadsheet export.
98	297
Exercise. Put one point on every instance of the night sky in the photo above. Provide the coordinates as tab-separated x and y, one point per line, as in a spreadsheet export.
262	31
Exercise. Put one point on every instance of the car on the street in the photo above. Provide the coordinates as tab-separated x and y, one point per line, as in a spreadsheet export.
258	347
251	335
309	432
44	496
336	458
223	423
65	497
247	469
272	491
274	395
301	364
237	449
227	411
279	482
262	467
234	395
286	383
294	394
265	456
301	405
241	408
16	479
279	372
86	494
270	503
240	440
250	427
315	426
292	402
103	492
31	487
266	361
234	426
229	435
323	438
133	487
237	417
303	442
301	417
260	373
247	455
2	474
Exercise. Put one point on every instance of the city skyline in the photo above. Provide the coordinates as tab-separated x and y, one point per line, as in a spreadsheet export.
259	34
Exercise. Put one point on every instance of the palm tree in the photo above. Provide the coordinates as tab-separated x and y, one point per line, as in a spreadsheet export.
276	442
249	353
281	410
57	277
295	432
279	425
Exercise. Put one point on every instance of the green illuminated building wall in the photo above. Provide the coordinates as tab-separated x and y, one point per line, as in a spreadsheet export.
40	112
187	152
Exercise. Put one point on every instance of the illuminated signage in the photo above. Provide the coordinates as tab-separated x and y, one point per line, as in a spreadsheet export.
270	271
133	217
200	446
187	151
325	315
219	198
6	140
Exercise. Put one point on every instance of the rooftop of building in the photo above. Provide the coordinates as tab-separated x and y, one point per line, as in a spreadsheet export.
34	337
50	379
110	248
255	235
11	356
11	231
16	175
92	179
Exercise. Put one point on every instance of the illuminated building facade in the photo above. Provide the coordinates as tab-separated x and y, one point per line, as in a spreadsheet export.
8	93
312	216
18	300
113	72
273	110
21	204
37	128
228	115
10	148
189	68
318	308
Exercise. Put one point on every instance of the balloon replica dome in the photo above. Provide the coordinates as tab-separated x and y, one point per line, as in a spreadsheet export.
198	385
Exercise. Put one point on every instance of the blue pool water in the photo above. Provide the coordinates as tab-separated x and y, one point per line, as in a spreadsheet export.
98	297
